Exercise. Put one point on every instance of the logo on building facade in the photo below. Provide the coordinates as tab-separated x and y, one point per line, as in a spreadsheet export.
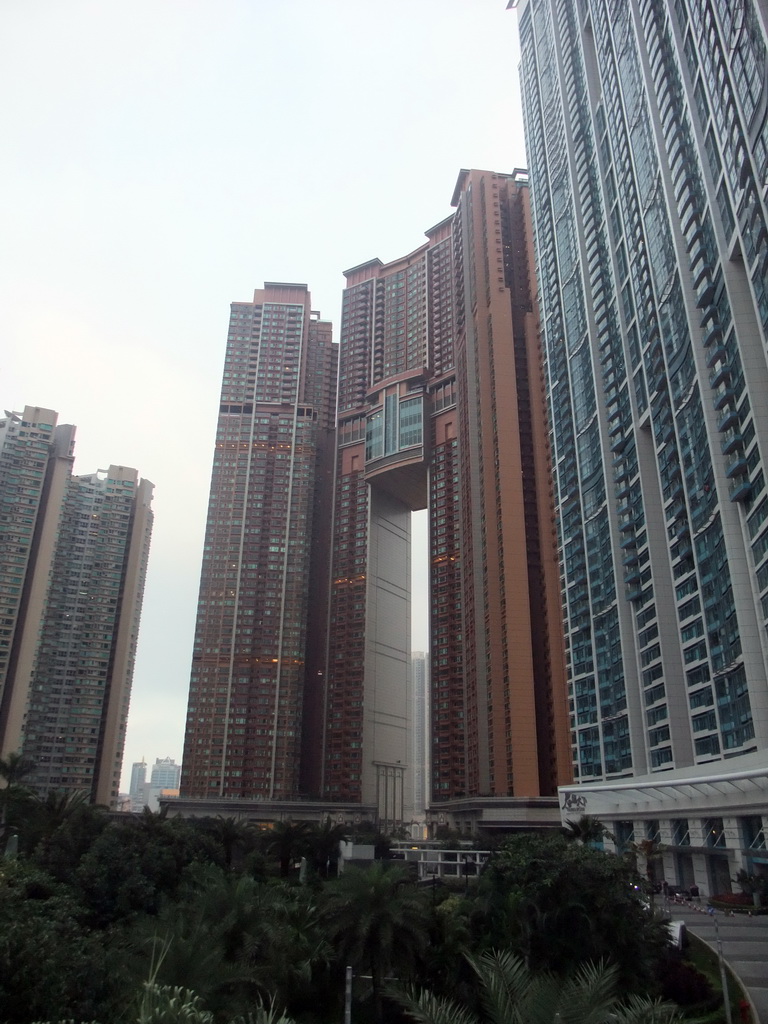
574	802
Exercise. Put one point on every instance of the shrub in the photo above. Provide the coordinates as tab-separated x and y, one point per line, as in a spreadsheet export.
682	983
733	899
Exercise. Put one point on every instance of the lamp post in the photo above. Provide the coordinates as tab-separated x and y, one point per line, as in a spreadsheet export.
723	975
348	996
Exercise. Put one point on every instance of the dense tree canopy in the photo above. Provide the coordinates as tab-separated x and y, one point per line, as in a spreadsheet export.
208	921
561	903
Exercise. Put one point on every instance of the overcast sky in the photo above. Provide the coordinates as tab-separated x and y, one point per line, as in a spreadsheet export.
162	158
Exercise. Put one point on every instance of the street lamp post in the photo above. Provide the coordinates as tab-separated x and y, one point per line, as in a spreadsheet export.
723	975
348	996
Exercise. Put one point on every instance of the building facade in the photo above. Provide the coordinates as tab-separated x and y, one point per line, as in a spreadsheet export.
80	549
647	134
139	789
441	406
258	666
420	736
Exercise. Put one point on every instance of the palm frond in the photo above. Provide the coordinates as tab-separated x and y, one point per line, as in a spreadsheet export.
642	1010
505	982
589	996
426	1008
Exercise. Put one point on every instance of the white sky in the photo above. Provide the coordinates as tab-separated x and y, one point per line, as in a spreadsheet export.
162	158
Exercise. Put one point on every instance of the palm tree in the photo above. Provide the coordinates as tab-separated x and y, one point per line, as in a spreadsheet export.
231	834
323	841
287	841
48	813
233	940
379	921
587	830
510	993
286	948
652	851
13	769
150	821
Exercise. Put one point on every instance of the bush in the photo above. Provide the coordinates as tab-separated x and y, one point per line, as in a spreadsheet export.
733	899
682	983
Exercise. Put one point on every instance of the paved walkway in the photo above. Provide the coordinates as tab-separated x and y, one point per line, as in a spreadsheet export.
745	948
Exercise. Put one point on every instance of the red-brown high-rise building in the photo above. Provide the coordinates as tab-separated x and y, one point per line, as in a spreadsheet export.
258	664
441	406
301	674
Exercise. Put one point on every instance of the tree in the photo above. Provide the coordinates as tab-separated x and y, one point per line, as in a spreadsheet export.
13	795
235	837
61	837
50	961
15	767
558	904
509	992
587	830
44	816
323	843
135	863
378	921
287	841
652	851
233	939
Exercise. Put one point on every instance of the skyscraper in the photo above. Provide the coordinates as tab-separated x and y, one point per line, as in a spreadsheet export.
647	133
420	737
441	406
76	548
139	786
258	666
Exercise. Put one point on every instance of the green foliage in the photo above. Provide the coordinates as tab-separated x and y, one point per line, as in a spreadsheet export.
264	1014
752	883
287	841
558	904
14	797
683	983
587	829
379	922
61	833
234	939
509	992
131	866
173	901
48	960
236	839
323	846
15	767
162	1004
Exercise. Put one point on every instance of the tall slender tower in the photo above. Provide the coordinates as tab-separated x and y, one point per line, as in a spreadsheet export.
258	666
441	407
420	749
647	133
80	551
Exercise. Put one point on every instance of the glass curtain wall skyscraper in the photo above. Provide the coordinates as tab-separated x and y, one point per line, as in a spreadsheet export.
647	135
258	666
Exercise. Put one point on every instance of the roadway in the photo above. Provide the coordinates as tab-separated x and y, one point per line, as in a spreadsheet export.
745	947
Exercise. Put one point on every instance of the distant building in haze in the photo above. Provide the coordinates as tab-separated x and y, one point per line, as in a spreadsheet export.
258	666
74	553
647	136
165	774
139	789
